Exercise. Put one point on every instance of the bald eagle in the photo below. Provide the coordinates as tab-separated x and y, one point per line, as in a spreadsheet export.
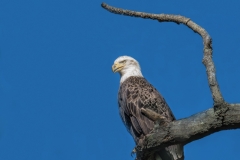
136	92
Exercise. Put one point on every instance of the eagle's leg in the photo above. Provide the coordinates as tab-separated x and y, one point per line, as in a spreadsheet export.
153	115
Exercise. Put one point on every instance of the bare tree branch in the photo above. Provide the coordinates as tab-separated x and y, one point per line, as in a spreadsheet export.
222	116
207	42
192	128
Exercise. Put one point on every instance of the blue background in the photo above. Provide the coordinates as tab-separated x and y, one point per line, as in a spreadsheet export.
58	96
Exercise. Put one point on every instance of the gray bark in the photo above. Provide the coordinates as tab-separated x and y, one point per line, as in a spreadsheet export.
184	131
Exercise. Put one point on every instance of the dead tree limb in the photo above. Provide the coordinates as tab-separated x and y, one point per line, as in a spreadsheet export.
189	129
222	116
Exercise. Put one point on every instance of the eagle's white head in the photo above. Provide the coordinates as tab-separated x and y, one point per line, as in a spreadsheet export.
127	67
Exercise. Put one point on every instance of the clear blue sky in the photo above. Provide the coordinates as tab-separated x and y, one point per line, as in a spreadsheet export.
58	96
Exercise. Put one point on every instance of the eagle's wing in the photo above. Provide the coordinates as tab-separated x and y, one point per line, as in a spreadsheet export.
136	93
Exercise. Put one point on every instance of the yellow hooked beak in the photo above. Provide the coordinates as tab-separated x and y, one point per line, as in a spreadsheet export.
117	67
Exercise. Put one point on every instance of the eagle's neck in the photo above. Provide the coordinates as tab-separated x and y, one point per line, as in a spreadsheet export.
132	71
